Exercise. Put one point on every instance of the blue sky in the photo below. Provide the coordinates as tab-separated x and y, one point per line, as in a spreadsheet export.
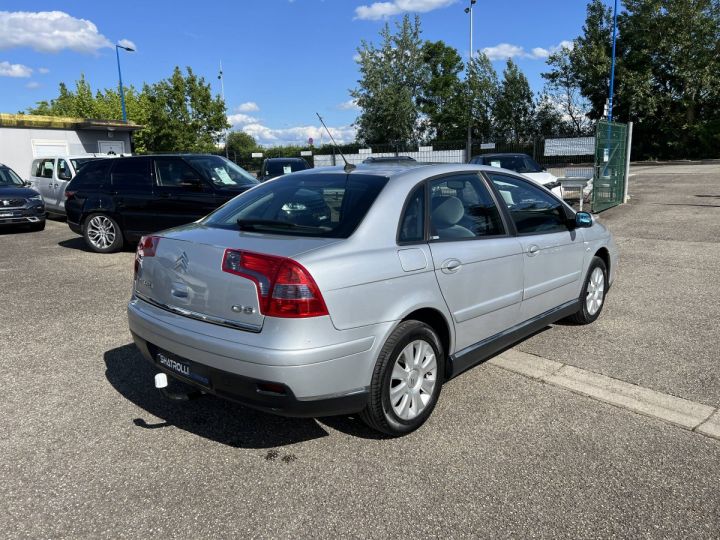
283	60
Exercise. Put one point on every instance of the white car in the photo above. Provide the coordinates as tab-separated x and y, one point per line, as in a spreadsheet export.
523	164
50	175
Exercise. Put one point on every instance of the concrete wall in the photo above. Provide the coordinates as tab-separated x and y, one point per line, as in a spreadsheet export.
19	146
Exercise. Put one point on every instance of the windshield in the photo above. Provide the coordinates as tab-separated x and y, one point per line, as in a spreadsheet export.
9	178
222	172
278	168
79	162
325	205
521	164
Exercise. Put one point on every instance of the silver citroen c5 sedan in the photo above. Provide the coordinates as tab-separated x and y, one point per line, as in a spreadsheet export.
324	292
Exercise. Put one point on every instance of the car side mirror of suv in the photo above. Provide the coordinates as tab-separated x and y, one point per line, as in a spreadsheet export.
583	220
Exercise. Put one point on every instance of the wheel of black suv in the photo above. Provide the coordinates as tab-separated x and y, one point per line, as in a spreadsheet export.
38	226
102	233
592	296
407	380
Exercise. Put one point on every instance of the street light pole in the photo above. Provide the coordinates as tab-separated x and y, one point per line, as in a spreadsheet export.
122	90
468	150
221	76
612	65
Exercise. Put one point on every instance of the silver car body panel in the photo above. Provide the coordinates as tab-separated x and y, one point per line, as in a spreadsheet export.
480	287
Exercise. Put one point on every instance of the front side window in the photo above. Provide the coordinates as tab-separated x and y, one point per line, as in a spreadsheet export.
532	210
174	172
461	207
324	205
412	223
131	173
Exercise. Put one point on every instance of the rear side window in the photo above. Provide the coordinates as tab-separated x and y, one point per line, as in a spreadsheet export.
131	174
93	175
35	169
46	168
325	205
412	223
461	207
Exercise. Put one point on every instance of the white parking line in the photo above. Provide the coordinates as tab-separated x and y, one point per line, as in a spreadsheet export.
681	412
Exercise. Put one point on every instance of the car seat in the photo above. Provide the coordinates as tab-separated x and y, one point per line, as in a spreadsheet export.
446	213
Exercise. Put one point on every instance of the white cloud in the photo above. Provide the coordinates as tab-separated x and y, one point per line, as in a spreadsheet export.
14	70
49	31
32	85
241	119
249	106
127	43
349	105
503	51
383	10
298	135
43	71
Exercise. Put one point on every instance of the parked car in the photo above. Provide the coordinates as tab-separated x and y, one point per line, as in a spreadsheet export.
114	201
19	204
389	159
274	167
49	176
324	292
523	164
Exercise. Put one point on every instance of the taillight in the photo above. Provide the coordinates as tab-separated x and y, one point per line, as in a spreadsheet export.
284	287
69	194
146	248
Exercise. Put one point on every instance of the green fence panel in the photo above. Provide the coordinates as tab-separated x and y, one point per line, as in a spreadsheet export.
609	175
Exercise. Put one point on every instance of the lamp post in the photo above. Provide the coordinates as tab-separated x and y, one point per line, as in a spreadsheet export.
122	90
468	150
612	65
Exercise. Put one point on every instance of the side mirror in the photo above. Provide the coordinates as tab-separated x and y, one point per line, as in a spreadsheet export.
583	220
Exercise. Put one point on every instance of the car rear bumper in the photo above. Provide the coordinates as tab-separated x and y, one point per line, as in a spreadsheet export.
318	381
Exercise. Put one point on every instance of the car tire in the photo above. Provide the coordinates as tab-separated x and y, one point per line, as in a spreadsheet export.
39	226
592	296
102	233
406	381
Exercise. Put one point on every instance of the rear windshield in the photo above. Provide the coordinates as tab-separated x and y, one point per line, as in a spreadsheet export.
77	163
322	205
278	168
521	164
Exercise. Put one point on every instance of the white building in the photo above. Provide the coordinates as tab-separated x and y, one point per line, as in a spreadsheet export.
24	137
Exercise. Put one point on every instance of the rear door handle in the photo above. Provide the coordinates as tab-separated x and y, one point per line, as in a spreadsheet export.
450	266
533	250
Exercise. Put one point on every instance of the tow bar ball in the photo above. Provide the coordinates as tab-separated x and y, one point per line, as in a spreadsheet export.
161	383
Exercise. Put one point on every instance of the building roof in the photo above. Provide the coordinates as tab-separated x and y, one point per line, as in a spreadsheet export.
63	122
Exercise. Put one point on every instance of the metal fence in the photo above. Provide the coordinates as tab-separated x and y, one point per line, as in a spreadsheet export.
610	165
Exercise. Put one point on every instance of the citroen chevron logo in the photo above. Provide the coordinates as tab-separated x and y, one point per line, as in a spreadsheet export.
181	264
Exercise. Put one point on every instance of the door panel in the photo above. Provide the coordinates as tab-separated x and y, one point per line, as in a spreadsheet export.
552	254
131	183
182	195
478	266
63	175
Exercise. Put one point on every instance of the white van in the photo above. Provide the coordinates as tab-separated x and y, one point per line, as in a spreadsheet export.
50	175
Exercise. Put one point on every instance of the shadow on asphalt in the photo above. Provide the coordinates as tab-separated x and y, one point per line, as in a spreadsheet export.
211	417
76	243
7	230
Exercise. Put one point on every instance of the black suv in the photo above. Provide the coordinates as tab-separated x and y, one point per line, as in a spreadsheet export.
274	167
113	201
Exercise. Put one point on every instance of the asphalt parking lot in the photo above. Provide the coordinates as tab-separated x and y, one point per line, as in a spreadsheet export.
90	449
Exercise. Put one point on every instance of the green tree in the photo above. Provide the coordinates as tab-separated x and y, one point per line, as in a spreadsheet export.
563	91
514	108
482	89
182	115
388	88
240	143
442	93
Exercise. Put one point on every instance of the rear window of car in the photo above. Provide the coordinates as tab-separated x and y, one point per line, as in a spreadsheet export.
92	175
277	168
321	205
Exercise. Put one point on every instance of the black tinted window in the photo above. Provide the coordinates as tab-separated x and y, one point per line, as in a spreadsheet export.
278	168
93	175
533	210
131	173
174	172
412	223
326	205
461	207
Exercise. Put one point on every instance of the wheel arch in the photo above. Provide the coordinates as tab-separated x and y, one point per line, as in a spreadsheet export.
604	254
437	321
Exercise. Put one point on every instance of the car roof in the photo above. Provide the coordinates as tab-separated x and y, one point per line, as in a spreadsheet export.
501	154
402	170
284	159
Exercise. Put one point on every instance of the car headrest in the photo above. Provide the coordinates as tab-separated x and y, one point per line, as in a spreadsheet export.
447	211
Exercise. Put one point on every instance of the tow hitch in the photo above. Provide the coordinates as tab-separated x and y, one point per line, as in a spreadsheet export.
161	383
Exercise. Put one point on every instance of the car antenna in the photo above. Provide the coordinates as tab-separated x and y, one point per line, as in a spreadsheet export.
349	167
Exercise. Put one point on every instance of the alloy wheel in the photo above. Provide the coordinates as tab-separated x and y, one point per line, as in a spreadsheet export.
595	291
101	232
